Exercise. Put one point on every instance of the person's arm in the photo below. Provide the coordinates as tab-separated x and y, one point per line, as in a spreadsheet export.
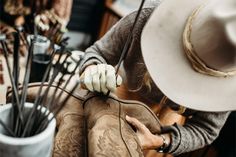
198	132
109	48
96	71
201	130
147	139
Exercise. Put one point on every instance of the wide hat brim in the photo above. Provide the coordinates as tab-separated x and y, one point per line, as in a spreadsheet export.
169	68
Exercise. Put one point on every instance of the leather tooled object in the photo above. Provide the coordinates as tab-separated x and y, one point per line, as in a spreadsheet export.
108	132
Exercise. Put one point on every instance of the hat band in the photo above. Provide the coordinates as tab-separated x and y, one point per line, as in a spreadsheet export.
197	64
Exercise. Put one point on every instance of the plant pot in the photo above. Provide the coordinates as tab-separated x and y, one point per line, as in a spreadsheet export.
40	145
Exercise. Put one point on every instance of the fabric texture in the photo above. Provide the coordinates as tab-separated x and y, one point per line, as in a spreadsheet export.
198	131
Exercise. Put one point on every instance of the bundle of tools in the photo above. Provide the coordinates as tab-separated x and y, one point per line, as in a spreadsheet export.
26	124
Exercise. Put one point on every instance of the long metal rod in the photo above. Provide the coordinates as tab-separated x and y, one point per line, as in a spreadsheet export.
43	125
26	79
67	82
15	74
16	58
52	100
55	74
12	81
38	96
41	115
57	70
27	73
127	43
59	96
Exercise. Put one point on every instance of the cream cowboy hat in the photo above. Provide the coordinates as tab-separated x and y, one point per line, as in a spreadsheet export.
205	31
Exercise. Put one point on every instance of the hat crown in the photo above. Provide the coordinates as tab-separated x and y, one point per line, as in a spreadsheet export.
187	51
214	35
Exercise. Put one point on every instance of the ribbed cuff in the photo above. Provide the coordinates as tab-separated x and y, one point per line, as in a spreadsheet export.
175	138
90	58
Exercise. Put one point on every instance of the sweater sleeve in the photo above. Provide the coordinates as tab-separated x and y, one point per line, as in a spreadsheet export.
200	130
110	46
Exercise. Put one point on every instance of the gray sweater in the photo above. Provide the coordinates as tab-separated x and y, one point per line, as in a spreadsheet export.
198	131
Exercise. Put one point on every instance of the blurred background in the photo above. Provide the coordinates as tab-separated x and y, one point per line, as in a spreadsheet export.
91	19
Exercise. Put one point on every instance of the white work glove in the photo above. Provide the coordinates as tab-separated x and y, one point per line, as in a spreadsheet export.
101	78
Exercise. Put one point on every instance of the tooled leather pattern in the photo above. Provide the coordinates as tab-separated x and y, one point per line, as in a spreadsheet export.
98	107
109	147
69	138
105	139
104	127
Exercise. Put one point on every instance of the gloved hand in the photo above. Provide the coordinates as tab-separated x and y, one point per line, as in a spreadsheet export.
101	78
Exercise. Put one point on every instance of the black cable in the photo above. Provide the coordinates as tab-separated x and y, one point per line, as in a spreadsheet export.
121	135
127	43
